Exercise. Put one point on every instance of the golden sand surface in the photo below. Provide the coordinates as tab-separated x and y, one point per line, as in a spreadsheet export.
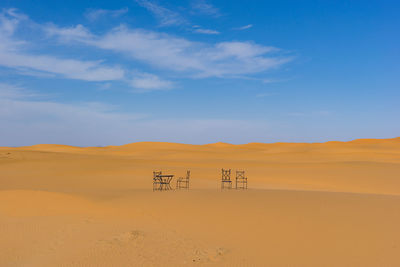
318	204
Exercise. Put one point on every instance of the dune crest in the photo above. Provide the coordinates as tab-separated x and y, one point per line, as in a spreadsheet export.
59	147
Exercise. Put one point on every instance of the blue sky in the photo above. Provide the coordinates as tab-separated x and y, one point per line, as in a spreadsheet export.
198	71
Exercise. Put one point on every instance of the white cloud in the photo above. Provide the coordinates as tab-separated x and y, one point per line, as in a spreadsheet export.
206	31
201	6
172	54
7	25
165	16
69	68
196	59
9	22
12	56
244	27
69	33
12	91
95	14
149	82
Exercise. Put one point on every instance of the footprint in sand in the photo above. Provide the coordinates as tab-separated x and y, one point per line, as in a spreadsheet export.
210	255
5	156
126	238
134	235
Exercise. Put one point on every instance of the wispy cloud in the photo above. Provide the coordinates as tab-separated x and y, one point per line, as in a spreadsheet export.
13	56
196	59
95	14
12	91
230	59
244	27
206	31
202	7
68	33
165	16
9	21
68	68
149	82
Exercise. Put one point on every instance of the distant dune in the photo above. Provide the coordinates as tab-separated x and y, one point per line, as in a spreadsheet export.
308	204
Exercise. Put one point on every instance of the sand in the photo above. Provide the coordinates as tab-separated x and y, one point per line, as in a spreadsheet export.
320	204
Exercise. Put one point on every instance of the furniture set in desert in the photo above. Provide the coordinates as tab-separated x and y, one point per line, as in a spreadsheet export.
162	182
226	182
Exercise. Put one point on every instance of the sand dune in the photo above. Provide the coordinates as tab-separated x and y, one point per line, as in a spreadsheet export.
320	204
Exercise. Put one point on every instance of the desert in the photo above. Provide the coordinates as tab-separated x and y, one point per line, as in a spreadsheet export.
307	204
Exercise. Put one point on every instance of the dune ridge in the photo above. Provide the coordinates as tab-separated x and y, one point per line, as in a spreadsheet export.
60	146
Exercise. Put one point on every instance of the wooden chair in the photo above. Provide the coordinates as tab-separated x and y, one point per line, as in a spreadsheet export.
241	180
183	182
226	179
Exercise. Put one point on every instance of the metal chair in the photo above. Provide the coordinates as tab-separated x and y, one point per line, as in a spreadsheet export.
241	180
183	182
156	180
226	182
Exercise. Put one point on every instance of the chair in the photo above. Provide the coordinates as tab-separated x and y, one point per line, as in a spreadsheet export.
226	179
183	182
156	181
241	180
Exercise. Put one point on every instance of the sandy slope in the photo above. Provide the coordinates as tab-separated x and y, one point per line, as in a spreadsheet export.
330	204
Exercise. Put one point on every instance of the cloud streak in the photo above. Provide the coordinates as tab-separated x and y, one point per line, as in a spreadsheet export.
148	82
245	27
68	68
95	14
12	91
14	55
206	31
160	51
202	7
165	16
194	59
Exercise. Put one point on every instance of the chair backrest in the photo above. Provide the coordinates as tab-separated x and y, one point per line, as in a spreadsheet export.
187	174
226	175
239	174
156	174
